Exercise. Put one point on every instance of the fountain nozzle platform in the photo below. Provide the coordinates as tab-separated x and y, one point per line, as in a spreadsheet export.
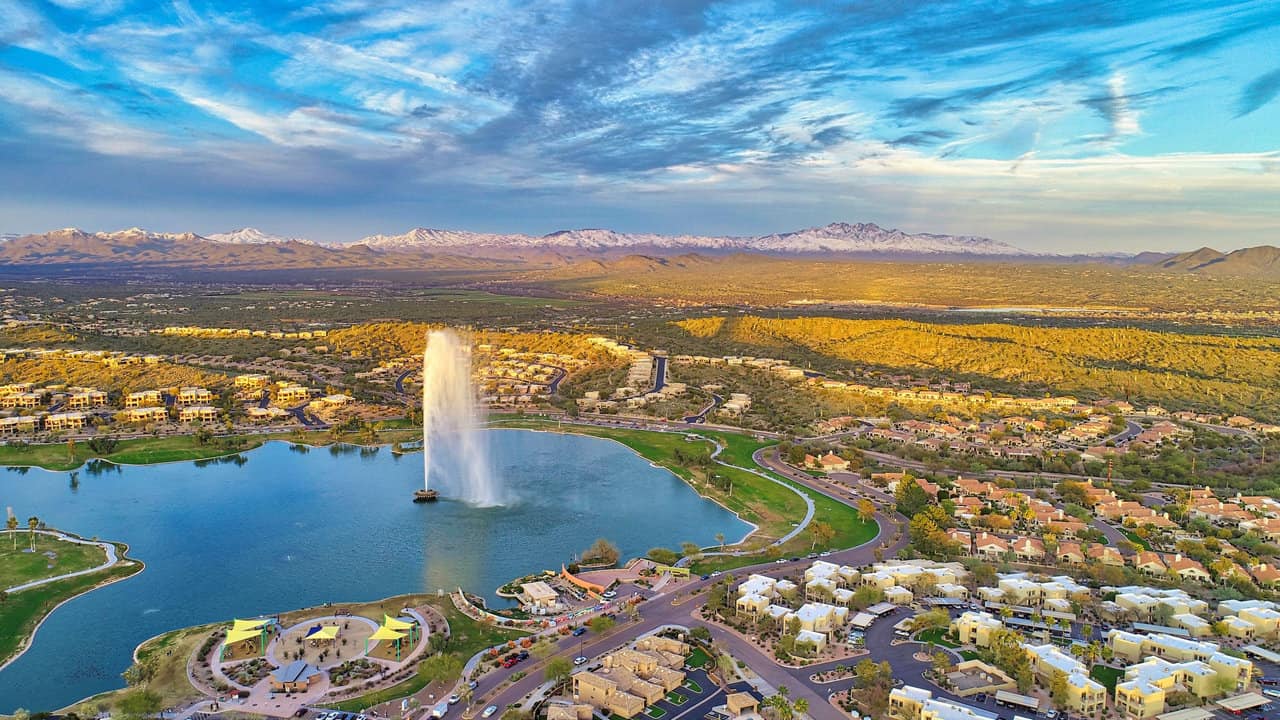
425	496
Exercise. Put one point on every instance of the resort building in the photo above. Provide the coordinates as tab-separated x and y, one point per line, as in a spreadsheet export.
630	679
1084	695
22	400
198	413
975	628
293	394
194	396
1133	647
14	425
261	414
251	381
143	414
912	703
64	421
603	693
1146	685
143	398
86	399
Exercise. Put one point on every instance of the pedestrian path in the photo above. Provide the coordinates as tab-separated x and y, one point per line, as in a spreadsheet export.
106	546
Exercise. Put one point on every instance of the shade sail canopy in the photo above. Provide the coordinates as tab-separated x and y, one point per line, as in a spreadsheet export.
234	636
327	632
386	633
237	625
396	623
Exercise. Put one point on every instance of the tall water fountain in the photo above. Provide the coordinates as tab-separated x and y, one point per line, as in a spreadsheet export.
455	454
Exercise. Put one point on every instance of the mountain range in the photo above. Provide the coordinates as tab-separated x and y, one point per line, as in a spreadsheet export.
434	249
833	239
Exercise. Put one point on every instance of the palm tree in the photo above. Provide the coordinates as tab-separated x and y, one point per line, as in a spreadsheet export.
720	539
13	527
33	522
801	706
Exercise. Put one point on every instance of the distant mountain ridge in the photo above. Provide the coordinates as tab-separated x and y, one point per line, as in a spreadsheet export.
1262	261
835	238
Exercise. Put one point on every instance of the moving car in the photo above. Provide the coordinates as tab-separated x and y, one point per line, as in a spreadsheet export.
580	660
579	631
489	711
454	698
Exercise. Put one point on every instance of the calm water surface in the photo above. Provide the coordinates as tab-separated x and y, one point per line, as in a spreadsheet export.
282	529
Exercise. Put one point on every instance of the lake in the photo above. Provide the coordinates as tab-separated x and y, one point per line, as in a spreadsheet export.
283	527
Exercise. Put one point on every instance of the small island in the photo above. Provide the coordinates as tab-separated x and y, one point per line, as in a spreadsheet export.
42	568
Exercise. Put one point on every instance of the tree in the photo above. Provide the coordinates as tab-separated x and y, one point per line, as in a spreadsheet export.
820	532
33	522
689	549
558	669
720	540
663	556
601	624
1058	691
941	663
601	552
12	524
866	510
911	498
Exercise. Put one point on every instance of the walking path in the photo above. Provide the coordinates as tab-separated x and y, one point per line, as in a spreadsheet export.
106	546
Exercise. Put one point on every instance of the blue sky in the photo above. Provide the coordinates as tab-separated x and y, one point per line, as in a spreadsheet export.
1059	124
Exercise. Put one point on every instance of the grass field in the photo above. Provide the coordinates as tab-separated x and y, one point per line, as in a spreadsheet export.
1108	676
937	636
178	448
20	565
23	611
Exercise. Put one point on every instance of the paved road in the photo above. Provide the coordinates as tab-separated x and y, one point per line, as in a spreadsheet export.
107	547
400	380
701	417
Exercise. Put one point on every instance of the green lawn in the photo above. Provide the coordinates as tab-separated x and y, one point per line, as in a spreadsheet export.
937	636
969	654
1108	676
698	658
143	451
20	565
1134	538
676	698
654	712
22	611
695	687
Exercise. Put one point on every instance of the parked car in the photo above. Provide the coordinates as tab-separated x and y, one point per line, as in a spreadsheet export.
301	712
779	561
489	711
609	594
580	660
524	655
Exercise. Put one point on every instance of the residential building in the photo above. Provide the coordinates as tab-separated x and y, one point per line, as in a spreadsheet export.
143	398
64	421
143	414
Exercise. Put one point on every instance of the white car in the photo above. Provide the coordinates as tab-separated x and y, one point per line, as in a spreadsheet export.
717	573
580	660
609	595
489	711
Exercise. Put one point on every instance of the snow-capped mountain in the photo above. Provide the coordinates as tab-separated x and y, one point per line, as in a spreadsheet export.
840	238
253	236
